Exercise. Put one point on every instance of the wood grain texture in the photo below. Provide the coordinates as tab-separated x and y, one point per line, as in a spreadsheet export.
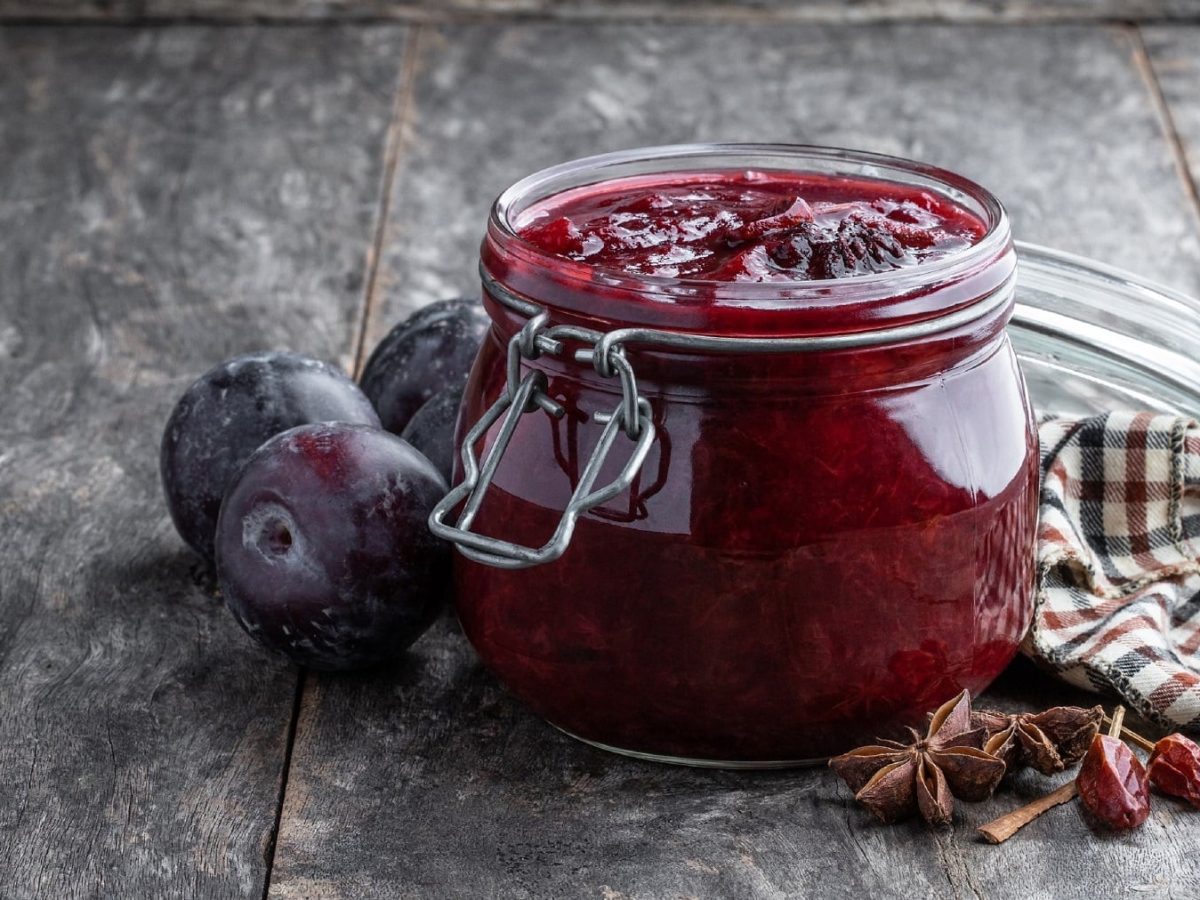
167	198
430	781
718	10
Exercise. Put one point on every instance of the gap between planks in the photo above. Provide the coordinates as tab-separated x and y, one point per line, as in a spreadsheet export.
273	838
1145	67
392	146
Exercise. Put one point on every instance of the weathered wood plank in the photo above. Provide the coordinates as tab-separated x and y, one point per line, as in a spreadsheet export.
431	781
167	198
789	10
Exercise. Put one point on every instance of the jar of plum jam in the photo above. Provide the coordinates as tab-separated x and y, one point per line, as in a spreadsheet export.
749	470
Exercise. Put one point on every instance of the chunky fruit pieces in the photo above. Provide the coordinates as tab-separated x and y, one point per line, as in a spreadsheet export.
747	226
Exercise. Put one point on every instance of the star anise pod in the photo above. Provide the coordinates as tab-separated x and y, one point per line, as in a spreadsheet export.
895	780
1049	741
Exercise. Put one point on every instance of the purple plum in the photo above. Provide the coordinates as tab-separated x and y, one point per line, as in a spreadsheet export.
431	350
323	551
228	412
431	430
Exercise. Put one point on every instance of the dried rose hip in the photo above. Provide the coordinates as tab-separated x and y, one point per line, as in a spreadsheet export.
1112	784
1175	768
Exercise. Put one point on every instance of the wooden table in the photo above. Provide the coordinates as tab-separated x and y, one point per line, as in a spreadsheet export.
170	196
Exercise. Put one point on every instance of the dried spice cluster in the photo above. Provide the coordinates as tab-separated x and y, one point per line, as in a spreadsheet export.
895	780
1049	741
965	754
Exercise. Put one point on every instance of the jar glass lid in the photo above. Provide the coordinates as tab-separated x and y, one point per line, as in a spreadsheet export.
1093	338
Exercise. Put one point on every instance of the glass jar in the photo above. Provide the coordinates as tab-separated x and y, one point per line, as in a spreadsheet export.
743	524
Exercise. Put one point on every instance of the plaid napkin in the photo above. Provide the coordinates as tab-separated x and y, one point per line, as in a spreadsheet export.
1118	595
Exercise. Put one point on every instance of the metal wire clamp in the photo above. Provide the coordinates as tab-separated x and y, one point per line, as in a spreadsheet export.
527	393
605	351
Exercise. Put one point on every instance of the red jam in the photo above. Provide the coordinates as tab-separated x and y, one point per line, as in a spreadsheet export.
751	226
821	546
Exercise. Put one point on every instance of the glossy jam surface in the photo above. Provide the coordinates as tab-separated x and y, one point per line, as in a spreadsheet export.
820	546
751	226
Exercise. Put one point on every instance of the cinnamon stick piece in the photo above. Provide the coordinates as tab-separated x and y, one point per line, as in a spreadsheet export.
1000	830
1133	737
1117	722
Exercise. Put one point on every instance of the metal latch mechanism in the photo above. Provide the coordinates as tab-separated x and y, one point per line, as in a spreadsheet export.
526	393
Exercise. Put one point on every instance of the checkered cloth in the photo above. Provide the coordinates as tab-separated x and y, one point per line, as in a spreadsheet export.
1118	595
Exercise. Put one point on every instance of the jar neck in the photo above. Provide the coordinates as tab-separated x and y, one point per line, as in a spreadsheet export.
920	352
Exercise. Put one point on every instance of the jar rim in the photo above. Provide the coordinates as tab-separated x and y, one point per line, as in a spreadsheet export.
868	295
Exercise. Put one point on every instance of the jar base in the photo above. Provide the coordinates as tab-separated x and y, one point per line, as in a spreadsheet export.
735	764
